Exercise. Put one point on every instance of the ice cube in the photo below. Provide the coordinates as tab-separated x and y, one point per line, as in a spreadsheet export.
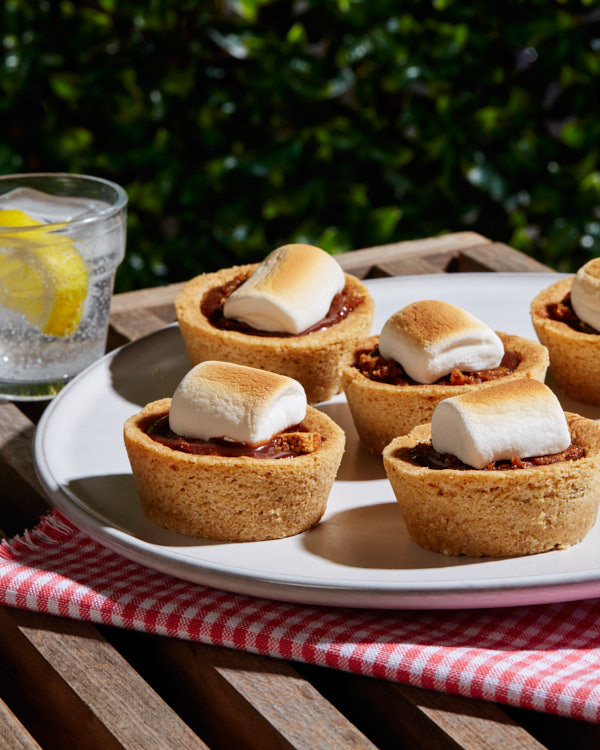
49	209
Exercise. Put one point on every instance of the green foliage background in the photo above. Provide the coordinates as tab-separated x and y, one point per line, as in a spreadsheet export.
237	126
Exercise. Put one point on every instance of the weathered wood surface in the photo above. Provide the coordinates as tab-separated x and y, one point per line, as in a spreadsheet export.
69	684
13	735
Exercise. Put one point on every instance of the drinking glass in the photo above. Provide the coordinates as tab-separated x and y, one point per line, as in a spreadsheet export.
62	237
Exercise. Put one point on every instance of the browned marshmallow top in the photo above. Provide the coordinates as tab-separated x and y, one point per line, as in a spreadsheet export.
430	338
592	269
236	381
429	321
289	278
291	290
518	418
226	400
519	393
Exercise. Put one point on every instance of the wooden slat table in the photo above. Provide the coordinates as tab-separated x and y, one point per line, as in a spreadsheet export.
68	684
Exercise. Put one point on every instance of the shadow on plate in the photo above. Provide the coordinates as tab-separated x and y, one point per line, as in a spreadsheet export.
358	464
375	536
570	404
151	367
112	499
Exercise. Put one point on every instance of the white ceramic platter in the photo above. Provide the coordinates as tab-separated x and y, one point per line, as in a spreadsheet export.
360	554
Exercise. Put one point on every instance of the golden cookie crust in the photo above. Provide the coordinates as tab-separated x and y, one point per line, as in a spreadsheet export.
382	411
314	360
232	499
574	355
497	513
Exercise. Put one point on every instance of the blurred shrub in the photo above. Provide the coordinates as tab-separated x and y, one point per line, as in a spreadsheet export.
238	126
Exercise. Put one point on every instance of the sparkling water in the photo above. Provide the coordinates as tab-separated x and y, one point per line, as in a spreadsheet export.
34	365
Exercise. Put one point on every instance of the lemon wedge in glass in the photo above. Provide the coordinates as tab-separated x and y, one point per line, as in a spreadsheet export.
42	275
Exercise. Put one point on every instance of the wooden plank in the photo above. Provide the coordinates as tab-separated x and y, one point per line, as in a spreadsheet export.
23	499
558	731
243	700
499	258
134	323
16	437
79	691
156	298
471	724
412	266
414	718
13	735
22	506
359	262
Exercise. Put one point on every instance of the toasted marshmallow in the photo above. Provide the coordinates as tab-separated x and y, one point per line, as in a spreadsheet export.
430	338
585	293
244	404
520	418
290	291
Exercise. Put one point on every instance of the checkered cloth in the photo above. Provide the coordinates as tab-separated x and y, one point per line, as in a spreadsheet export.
543	657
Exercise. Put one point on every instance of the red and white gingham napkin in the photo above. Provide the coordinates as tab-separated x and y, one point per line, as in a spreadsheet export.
543	657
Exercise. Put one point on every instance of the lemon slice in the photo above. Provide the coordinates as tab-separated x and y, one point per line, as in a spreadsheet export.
42	275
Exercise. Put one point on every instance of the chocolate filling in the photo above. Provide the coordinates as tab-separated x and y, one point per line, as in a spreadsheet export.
277	447
423	454
563	313
375	367
211	306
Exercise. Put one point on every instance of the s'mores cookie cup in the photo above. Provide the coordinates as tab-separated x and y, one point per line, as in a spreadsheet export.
566	318
498	472
236	455
296	313
428	351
